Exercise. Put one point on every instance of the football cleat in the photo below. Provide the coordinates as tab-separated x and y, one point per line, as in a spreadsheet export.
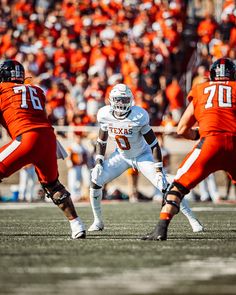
96	226
196	226
79	235
159	233
78	231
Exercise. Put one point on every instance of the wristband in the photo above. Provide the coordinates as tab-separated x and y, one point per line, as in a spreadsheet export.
101	141
101	157
158	165
153	143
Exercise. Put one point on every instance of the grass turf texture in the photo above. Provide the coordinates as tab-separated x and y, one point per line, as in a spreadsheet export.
37	255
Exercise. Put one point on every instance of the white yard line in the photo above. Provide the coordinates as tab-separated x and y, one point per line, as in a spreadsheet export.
215	209
19	206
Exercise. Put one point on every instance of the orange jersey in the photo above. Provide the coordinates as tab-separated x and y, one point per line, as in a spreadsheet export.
22	108
215	107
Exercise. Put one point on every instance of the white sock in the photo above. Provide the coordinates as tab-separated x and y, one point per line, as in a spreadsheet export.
95	201
185	209
74	223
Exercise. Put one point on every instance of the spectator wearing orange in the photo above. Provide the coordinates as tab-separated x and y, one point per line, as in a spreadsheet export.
206	29
5	41
175	98
56	102
128	65
220	49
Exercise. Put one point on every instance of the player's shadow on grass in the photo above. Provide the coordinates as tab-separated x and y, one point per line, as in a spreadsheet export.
31	235
89	236
113	236
97	236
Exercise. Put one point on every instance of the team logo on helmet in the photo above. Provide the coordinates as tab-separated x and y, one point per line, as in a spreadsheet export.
223	70
12	71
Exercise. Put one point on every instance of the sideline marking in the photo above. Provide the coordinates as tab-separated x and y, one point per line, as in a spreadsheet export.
215	209
19	206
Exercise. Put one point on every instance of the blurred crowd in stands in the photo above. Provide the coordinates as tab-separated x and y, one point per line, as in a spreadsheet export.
76	50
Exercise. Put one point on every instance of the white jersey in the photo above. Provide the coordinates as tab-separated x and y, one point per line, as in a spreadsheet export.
127	133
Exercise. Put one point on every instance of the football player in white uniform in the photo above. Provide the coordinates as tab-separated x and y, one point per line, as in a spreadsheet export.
136	146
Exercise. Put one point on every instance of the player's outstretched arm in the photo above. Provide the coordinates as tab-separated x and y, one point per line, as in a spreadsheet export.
152	141
156	150
186	123
101	146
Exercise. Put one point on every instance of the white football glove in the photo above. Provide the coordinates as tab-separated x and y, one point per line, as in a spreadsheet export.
162	182
61	152
97	171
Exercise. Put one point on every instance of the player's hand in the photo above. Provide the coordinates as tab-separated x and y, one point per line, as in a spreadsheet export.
97	171
165	183
162	182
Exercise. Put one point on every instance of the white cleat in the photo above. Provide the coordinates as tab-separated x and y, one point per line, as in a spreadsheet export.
196	226
96	226
79	232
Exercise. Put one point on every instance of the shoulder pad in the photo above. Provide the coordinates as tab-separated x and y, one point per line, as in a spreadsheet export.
141	115
103	113
102	117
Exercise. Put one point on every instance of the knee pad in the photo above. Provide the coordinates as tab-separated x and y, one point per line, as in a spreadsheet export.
179	194
184	191
56	191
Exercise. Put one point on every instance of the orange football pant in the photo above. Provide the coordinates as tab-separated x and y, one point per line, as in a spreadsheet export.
211	154
37	147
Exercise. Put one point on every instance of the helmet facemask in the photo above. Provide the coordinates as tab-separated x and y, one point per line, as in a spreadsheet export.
121	100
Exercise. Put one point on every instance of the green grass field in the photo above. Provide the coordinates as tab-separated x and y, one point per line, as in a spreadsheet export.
37	255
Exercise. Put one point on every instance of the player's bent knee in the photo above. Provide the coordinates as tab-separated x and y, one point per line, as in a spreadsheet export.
56	191
183	190
179	194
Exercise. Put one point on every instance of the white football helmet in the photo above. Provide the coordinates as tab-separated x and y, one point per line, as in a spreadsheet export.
121	99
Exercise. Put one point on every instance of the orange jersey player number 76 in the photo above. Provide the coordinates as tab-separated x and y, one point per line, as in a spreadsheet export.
34	99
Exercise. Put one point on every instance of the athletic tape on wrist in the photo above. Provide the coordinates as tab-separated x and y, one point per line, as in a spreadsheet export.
101	141
153	143
101	157
158	165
